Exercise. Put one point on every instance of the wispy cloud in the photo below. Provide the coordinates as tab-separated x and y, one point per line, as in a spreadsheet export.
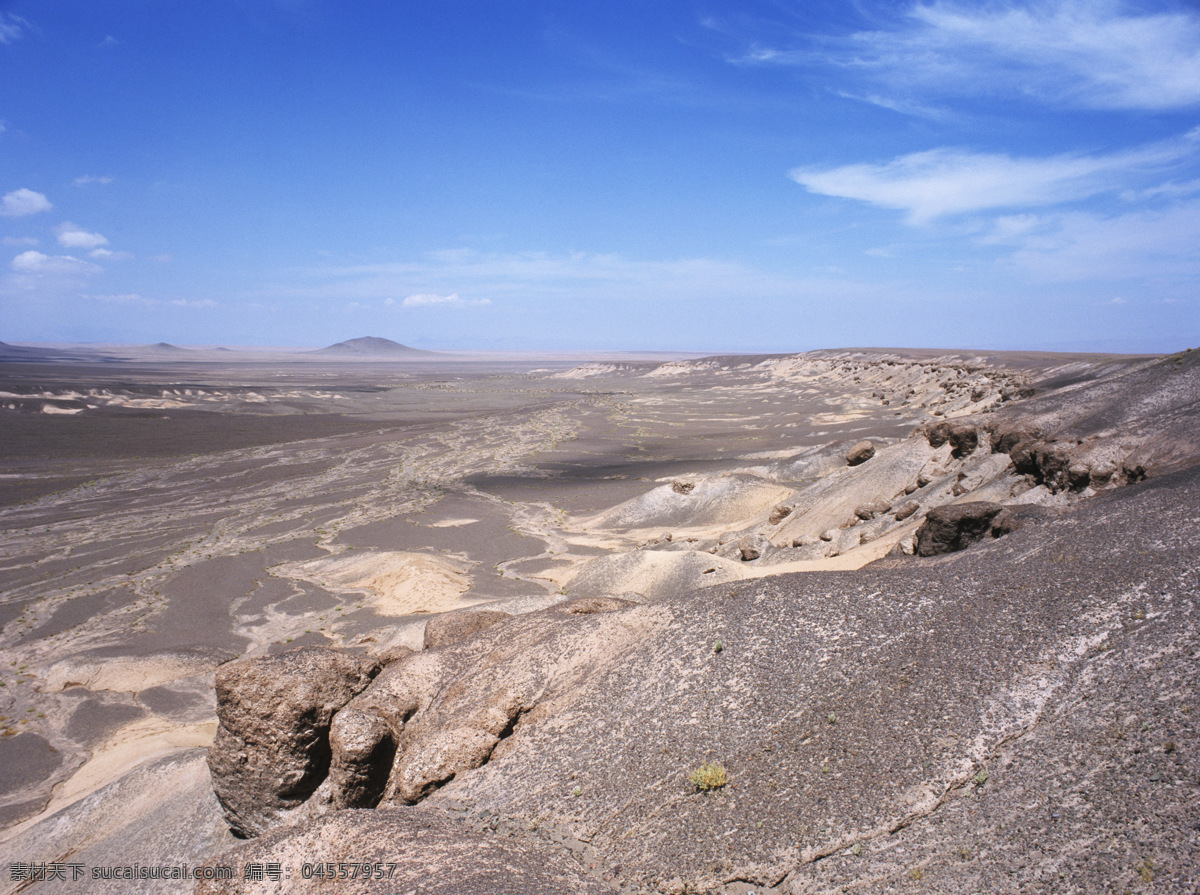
89	179
1104	54
1148	244
138	300
19	241
429	299
12	27
71	236
21	202
939	182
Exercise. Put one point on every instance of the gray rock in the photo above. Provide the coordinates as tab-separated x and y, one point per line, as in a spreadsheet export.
781	512
752	547
906	510
868	511
860	453
955	526
829	534
681	487
462	624
272	744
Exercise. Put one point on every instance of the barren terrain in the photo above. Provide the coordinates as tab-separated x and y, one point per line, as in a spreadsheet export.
700	561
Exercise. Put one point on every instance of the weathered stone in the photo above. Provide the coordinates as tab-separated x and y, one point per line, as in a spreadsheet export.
1053	461
937	434
462	624
781	512
870	510
363	746
392	654
964	438
955	526
681	487
1102	473
272	744
1079	475
804	541
906	510
860	453
829	534
751	547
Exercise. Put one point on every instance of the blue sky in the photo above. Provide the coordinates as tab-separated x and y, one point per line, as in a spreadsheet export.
708	176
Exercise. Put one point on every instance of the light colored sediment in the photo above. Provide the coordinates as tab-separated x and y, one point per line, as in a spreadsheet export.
400	583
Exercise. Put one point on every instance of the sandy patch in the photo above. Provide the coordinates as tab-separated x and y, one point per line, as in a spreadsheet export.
452	523
130	674
132	745
398	583
653	574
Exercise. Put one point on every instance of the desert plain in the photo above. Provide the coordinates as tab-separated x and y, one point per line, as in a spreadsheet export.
481	620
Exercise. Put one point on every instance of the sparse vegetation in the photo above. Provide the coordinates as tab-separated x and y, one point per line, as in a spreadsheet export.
709	776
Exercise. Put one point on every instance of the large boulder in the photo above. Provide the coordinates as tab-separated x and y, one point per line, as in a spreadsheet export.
860	453
272	745
955	526
462	624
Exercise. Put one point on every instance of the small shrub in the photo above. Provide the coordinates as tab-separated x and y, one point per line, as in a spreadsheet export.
708	776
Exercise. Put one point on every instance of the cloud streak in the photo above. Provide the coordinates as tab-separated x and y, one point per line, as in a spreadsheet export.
940	182
1098	54
430	299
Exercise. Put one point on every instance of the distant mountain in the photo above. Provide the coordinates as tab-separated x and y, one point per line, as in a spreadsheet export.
163	346
372	346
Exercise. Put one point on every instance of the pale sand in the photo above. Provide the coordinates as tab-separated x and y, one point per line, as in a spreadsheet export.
400	583
130	674
132	745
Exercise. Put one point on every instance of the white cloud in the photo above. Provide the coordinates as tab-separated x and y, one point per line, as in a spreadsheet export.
88	180
1157	245
1103	54
19	241
72	237
11	27
193	303
1093	53
427	299
22	202
937	182
1116	301
126	298
37	263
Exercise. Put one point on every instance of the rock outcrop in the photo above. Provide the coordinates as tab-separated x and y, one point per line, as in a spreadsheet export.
454	627
272	745
955	527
